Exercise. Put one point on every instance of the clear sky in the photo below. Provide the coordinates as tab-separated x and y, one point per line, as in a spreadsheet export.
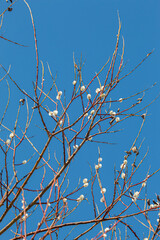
88	27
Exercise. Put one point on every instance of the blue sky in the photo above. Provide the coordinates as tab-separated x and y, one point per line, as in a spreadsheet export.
89	28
